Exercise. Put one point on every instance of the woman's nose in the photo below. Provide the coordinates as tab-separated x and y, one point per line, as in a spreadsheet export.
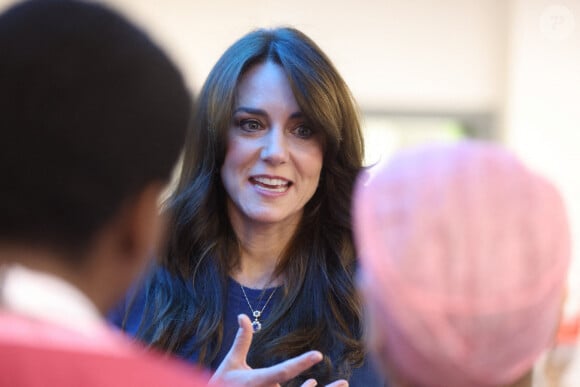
275	148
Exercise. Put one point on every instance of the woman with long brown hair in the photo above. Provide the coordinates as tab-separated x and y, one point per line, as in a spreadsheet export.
260	220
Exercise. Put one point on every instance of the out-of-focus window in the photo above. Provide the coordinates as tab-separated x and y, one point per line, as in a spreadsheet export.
385	133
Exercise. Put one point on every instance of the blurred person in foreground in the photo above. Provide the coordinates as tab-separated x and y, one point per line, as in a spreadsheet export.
464	256
93	117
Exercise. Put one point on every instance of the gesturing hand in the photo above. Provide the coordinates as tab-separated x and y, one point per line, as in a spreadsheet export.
234	371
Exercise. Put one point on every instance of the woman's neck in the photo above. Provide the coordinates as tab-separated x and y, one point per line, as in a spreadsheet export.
261	246
259	257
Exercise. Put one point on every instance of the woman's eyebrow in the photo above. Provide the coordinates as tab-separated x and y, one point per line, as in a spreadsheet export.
297	115
261	112
249	110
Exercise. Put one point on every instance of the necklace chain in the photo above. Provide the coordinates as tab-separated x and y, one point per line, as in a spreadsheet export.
256	324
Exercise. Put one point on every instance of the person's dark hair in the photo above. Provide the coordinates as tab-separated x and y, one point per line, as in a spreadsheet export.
91	110
319	309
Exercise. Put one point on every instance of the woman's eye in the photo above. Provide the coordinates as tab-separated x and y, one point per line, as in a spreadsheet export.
250	125
303	131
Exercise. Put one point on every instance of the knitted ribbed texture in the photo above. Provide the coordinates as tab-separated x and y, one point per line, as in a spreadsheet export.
467	252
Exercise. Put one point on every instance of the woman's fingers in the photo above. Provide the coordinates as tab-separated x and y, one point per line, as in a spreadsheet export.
338	383
233	369
287	370
241	345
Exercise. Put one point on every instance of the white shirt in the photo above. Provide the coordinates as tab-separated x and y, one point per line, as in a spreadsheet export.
45	297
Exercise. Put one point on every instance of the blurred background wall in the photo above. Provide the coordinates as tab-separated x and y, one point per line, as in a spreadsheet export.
421	70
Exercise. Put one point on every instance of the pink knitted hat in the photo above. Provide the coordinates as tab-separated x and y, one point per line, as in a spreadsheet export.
465	251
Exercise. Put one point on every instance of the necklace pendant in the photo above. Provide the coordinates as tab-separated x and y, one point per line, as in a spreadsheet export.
256	325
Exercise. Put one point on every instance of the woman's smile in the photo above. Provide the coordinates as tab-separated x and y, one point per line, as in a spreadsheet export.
271	184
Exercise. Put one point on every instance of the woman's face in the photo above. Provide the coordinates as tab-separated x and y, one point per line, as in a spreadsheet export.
273	158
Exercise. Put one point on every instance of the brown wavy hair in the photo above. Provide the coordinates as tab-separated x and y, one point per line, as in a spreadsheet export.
320	308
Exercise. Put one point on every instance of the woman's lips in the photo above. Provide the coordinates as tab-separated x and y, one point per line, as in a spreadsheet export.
273	184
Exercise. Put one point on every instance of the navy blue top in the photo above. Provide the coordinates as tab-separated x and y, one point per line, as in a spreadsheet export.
365	376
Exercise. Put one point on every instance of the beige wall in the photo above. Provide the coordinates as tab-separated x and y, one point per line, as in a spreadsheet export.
542	102
395	54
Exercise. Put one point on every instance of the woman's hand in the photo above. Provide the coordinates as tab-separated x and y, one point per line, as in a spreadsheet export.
234	371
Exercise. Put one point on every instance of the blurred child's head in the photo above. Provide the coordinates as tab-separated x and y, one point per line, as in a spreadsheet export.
91	111
464	255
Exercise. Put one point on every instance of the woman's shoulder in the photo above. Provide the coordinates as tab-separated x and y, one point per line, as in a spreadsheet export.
131	309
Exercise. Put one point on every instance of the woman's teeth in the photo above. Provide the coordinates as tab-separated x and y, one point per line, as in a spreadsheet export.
272	184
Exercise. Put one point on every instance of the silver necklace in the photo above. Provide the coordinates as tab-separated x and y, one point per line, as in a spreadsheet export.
256	324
